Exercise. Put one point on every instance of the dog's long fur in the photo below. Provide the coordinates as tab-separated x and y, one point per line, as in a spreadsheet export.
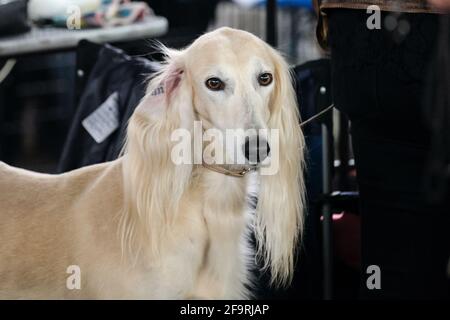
143	227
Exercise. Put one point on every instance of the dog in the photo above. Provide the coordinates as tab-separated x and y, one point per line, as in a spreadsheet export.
144	227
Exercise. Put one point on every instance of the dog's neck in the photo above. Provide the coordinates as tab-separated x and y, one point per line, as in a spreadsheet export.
224	191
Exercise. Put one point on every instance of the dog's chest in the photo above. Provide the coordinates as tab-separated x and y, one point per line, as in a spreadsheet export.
227	221
206	256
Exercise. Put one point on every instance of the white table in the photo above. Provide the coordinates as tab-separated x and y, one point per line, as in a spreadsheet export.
54	39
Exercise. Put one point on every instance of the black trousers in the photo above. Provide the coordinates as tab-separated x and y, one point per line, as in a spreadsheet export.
379	79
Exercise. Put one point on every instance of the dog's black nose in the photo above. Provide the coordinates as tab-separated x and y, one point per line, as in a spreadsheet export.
256	149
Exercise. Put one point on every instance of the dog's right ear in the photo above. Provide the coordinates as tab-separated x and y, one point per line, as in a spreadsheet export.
167	90
153	182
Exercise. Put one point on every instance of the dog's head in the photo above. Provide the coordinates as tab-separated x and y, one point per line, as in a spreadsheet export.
233	84
236	85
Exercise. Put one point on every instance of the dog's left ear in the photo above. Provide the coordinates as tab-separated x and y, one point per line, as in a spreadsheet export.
279	218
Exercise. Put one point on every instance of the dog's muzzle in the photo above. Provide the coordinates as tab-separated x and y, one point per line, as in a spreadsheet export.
256	149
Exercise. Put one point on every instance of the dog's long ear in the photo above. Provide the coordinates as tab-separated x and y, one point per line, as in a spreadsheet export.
279	218
153	183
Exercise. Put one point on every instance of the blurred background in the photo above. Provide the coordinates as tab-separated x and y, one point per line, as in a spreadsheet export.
47	87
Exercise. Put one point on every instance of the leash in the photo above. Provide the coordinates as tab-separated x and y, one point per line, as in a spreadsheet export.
321	113
222	170
243	172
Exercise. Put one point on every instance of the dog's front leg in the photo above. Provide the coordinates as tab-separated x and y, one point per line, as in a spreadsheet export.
224	273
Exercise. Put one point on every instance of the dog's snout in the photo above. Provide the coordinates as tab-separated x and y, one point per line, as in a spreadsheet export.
256	149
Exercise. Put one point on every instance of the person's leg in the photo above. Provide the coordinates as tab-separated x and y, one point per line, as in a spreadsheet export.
378	81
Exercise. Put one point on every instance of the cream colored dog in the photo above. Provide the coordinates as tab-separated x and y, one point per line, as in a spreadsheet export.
144	227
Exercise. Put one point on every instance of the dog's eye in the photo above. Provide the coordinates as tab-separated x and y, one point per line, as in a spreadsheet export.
215	84
265	79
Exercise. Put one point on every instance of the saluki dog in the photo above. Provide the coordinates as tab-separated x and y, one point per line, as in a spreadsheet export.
146	227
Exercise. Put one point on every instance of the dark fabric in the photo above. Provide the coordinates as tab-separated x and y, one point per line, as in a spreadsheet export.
185	14
113	71
13	17
379	82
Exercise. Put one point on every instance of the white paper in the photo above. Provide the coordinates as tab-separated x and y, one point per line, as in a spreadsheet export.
101	123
